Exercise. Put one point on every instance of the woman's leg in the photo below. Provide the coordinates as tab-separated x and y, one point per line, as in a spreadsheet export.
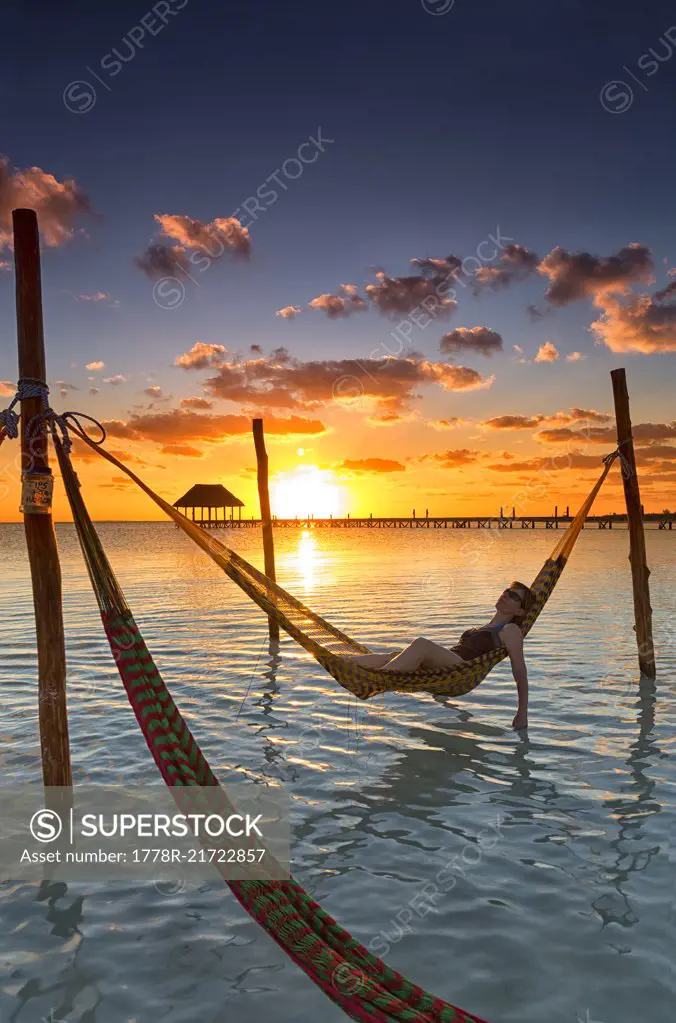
423	653
371	660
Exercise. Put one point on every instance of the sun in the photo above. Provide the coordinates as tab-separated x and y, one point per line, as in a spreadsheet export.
305	491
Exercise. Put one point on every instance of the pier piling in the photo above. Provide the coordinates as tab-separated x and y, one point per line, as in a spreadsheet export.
266	518
43	553
637	551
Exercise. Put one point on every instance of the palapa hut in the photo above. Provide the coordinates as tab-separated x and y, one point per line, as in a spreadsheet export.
208	497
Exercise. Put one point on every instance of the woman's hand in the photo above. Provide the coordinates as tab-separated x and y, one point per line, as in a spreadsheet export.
513	640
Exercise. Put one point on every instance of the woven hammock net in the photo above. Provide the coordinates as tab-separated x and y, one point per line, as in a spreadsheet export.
364	986
329	646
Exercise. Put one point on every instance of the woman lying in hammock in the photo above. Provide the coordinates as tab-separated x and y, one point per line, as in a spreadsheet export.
502	631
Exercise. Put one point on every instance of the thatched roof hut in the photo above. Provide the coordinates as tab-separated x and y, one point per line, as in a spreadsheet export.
209	497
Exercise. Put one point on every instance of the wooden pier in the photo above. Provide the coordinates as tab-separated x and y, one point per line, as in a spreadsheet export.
445	522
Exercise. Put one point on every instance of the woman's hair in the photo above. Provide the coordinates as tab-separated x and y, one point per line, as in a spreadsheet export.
527	600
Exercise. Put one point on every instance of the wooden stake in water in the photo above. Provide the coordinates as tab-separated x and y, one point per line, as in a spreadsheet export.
637	552
266	518
40	538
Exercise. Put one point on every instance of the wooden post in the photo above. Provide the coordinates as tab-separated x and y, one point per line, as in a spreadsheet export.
637	553
266	519
43	553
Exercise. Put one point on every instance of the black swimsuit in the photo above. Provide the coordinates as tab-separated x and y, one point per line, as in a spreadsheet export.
475	642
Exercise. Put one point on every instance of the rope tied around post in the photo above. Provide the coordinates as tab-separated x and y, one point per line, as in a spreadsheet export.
30	387
625	464
27	387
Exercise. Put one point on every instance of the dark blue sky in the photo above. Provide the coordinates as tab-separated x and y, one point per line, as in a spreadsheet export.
445	127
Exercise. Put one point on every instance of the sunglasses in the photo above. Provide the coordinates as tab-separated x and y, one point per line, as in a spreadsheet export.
514	594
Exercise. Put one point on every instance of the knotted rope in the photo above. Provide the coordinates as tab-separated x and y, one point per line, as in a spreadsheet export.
31	387
28	387
625	464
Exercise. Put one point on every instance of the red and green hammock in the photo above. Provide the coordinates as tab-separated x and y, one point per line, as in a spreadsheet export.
360	983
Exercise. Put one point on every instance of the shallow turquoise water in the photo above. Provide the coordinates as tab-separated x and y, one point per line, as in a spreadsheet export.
565	912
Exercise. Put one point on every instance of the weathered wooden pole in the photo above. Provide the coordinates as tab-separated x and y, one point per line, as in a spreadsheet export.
637	552
266	518
43	554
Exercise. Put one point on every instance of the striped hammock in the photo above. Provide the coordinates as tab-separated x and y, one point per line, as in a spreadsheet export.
329	646
359	982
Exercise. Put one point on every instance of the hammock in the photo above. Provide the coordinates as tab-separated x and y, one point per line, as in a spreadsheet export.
352	977
328	645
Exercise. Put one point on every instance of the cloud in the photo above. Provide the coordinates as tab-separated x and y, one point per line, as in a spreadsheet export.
454	458
514	422
281	381
476	339
96	296
95	365
7	389
572	460
575	276
547	353
372	465
515	264
118	379
196	403
162	260
225	233
642	433
6	265
58	204
575	357
388	419
397	296
182	450
339	306
440	269
200	356
222	236
287	313
94	390
521	422
178	426
153	392
448	424
64	387
646	324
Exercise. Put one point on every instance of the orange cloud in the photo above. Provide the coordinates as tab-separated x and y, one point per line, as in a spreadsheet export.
575	276
200	356
182	450
372	465
448	424
547	353
281	381
177	426
339	306
222	236
519	422
58	204
196	403
453	458
646	324
288	312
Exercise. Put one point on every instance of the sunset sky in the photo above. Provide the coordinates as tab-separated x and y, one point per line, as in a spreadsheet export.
415	237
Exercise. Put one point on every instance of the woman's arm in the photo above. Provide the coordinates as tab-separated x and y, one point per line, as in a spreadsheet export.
513	640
